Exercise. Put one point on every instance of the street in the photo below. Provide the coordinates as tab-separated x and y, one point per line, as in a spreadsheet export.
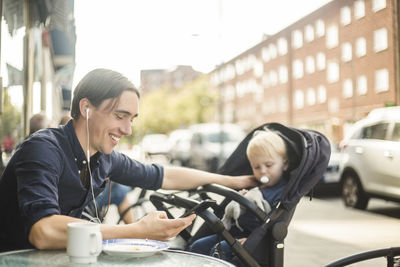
323	230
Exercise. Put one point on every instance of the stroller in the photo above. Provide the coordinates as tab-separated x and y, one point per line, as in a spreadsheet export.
308	152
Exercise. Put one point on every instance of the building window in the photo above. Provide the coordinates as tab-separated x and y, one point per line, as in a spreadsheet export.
378	5
283	74
310	64
239	67
309	33
273	51
332	36
298	99
361	47
258	68
362	87
347	88
283	103
321	94
273	78
282	46
311	97
320	28
346	52
333	71
380	40
359	9
297	39
345	16
321	61
265	80
265	54
381	80
298	71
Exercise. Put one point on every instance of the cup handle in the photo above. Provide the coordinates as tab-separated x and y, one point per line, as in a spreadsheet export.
98	241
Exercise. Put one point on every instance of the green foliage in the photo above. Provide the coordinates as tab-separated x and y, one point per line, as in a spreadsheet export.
10	119
164	110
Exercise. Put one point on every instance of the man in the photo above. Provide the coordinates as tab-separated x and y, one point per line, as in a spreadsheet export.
56	172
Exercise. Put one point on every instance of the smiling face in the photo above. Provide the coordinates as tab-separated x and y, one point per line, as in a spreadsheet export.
108	123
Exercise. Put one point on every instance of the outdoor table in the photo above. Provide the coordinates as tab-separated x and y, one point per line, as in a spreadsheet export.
33	257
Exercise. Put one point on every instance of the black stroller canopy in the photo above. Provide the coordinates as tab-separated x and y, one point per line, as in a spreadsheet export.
308	153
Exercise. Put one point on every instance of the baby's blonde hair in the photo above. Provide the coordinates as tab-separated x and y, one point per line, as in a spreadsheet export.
266	142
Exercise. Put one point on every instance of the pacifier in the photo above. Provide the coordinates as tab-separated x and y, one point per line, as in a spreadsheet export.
264	179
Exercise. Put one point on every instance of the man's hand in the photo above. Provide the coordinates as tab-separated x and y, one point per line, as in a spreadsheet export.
243	181
157	226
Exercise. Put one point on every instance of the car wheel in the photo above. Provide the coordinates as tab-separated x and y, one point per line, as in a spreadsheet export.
352	192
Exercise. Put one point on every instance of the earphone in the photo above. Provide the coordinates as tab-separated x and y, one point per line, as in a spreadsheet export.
88	162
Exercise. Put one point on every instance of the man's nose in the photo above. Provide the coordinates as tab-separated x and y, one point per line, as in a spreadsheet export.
126	128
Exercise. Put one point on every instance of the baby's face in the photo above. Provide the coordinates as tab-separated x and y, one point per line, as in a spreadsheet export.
270	166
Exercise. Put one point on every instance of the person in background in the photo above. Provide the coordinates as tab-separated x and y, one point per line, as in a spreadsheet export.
268	158
37	122
56	172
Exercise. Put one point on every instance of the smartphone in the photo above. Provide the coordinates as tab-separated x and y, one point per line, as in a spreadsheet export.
199	207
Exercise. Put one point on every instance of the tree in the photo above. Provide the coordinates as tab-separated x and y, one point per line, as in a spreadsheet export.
164	110
10	119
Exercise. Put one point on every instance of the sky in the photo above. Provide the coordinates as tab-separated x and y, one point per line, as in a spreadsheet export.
132	35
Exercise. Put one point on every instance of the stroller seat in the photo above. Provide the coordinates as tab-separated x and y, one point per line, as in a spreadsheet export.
308	153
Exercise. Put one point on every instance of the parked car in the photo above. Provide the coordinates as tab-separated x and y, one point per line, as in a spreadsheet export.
370	159
155	144
212	144
179	142
331	178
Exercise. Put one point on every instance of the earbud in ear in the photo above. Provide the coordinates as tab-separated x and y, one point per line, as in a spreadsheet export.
87	113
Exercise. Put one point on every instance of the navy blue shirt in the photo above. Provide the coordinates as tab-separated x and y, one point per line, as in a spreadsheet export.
43	178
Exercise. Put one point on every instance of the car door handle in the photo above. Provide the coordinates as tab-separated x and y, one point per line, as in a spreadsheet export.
359	150
388	154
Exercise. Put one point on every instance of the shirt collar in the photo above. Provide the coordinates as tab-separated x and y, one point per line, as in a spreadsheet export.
77	150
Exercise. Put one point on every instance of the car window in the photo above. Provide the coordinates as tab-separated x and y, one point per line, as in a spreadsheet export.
396	132
226	137
376	131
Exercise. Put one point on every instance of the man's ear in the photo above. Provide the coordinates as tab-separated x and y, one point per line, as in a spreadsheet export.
84	105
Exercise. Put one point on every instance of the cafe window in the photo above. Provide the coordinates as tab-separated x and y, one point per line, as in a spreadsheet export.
311	97
309	33
283	74
266	56
310	64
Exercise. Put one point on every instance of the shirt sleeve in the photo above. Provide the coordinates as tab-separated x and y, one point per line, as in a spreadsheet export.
130	172
37	172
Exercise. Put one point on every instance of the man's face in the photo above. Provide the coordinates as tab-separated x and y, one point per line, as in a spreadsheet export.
107	127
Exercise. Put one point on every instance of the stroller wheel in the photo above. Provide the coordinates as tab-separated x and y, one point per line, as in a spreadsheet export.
353	194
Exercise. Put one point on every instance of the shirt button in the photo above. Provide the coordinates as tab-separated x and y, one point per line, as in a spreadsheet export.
75	159
79	172
84	162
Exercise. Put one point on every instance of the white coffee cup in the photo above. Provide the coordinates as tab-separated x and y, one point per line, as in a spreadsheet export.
84	242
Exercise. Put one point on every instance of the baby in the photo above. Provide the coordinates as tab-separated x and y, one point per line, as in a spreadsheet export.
268	159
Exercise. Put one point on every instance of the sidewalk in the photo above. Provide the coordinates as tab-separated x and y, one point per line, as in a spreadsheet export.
323	231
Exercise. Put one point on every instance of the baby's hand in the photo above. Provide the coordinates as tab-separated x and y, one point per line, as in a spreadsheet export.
243	191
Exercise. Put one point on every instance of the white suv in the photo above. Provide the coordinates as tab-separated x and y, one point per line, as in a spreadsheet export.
370	164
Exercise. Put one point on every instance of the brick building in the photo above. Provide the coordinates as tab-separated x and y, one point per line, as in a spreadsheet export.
324	71
157	78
